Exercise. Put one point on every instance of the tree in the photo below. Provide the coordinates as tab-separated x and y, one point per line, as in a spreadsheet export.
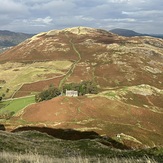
7	90
85	87
1	98
48	94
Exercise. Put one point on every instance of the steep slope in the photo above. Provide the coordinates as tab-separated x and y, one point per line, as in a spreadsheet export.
108	59
100	114
52	45
127	71
33	146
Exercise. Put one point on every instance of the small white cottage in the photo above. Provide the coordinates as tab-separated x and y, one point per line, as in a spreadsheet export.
71	93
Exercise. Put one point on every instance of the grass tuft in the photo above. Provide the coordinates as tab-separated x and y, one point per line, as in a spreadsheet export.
7	157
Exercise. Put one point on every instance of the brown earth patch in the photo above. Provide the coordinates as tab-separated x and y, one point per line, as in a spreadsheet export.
26	89
97	114
85	74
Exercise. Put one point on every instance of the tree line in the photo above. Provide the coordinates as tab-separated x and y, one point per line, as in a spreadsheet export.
85	87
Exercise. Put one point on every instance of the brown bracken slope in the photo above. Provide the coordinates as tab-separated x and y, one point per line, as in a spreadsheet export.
108	59
128	72
102	115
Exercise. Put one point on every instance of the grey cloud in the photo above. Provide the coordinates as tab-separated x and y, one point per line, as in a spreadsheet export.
41	15
11	7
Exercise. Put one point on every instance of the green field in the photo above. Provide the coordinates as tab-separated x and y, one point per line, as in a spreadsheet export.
15	105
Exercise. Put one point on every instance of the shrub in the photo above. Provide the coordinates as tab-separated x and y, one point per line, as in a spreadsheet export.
7	115
7	90
48	94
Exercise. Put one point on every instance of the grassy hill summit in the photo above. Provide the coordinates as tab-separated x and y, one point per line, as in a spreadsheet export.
127	71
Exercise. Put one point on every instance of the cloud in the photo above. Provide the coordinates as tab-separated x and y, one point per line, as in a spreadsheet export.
144	13
46	20
55	8
119	1
120	20
11	7
139	15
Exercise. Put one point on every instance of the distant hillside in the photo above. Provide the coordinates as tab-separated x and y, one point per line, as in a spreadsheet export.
8	39
157	35
130	33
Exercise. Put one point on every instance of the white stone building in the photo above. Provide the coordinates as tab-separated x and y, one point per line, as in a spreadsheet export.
71	93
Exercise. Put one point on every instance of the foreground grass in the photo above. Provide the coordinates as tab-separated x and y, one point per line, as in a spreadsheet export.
15	105
6	157
36	147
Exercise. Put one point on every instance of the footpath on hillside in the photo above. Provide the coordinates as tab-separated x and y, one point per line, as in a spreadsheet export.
71	70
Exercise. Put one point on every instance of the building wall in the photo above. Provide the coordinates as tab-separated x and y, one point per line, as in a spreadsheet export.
71	93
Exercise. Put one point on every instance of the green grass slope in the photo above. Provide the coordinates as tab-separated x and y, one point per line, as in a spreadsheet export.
37	144
11	107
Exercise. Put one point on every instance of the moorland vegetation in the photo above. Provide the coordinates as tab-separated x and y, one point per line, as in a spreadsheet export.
119	81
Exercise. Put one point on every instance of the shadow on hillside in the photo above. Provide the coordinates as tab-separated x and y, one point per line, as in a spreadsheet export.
69	134
2	127
66	134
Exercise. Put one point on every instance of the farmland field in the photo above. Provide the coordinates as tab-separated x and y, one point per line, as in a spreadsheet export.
14	75
15	105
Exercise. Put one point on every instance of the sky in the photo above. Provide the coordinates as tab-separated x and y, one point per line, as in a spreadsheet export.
35	16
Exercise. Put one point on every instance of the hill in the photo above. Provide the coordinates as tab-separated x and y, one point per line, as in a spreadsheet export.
131	33
128	72
9	39
125	32
34	146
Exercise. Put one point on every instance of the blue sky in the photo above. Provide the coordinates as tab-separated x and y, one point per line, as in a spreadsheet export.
34	16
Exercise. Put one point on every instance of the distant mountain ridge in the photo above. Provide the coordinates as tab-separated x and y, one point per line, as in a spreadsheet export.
9	38
131	33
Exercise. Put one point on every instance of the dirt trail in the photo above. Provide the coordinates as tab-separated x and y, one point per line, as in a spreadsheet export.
73	65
